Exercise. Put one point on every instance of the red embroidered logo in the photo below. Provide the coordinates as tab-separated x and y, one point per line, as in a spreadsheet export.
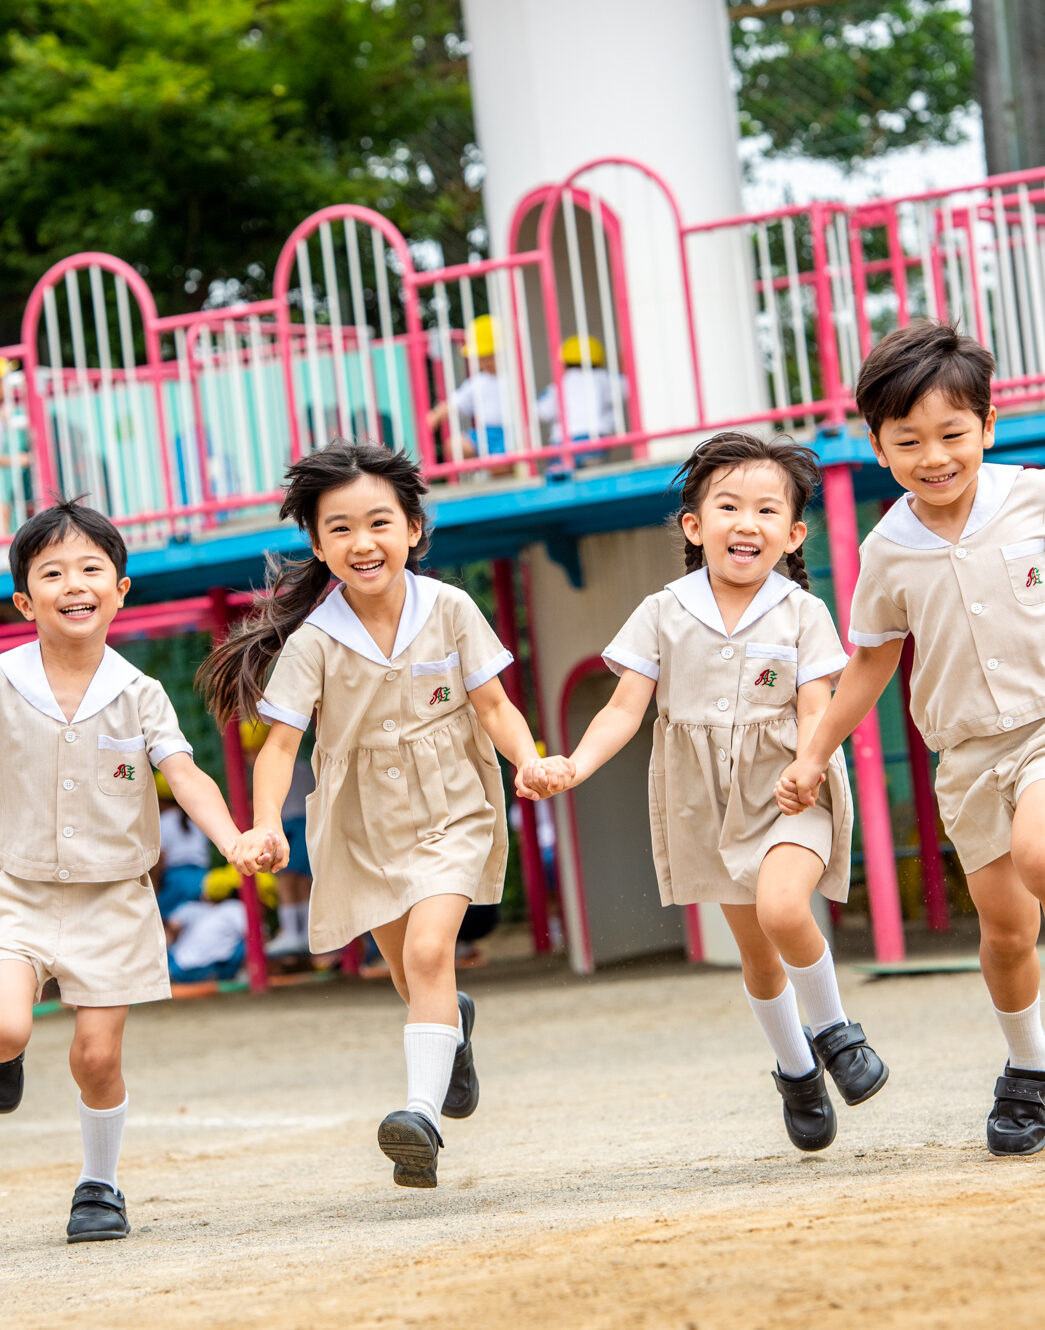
124	771
1033	577
766	679
440	695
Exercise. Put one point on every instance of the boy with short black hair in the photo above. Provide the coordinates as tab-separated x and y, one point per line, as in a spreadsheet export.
79	830
959	563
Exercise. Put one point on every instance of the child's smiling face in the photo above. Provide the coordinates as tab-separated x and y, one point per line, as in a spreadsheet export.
745	523
73	591
936	453
364	536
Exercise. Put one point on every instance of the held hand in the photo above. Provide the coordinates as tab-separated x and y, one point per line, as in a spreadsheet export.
544	777
798	786
260	848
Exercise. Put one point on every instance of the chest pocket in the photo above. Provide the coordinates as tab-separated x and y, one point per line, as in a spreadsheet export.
438	687
1026	567
768	678
122	766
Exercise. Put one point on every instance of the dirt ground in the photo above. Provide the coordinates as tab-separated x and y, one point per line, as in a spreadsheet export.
627	1167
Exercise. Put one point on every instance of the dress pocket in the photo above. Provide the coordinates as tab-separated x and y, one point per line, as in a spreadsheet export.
438	687
1026	567
122	766
769	673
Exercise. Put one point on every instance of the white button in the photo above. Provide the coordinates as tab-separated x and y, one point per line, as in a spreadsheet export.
392	676
722	704
722	755
394	773
993	664
388	724
70	736
63	873
68	785
67	831
976	607
727	653
1007	722
961	554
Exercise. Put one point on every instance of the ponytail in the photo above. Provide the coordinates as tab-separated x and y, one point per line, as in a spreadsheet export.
796	568
232	677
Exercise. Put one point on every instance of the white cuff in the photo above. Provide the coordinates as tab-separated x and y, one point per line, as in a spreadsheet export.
624	660
876	639
163	751
271	712
834	665
488	671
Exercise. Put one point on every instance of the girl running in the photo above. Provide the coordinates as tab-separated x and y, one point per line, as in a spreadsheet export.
406	826
741	659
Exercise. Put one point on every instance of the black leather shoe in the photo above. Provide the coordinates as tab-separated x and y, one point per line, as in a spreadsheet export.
412	1143
1016	1125
98	1214
856	1069
809	1115
12	1083
462	1095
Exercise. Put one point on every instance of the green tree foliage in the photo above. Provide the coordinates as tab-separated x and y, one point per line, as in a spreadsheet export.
191	138
849	80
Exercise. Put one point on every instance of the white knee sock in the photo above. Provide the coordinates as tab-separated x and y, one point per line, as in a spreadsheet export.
301	911
288	920
430	1053
102	1132
460	1028
1025	1037
782	1027
817	989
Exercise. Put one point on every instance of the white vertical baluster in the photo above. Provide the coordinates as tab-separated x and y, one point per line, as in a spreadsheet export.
1029	222
345	424
580	311
441	304
609	314
482	441
366	367
1008	327
315	381
528	376
798	323
925	250
110	431
92	452
269	467
384	309
765	272
243	480
145	473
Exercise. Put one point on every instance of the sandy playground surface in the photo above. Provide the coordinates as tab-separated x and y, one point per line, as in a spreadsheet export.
627	1167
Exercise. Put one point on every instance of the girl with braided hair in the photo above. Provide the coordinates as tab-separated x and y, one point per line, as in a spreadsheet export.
741	659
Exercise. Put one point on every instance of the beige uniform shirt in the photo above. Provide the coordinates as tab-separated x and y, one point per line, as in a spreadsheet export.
79	803
408	801
976	608
726	728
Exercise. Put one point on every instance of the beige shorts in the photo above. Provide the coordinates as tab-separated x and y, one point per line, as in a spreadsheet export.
102	941
978	784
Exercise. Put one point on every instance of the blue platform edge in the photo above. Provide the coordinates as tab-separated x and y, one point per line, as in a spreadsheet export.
498	522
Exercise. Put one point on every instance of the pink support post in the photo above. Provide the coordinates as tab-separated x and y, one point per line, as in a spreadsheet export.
242	815
934	886
882	888
534	882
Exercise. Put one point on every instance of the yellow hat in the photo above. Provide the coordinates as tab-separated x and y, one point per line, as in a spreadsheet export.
252	734
162	788
571	352
7	366
220	883
483	336
542	748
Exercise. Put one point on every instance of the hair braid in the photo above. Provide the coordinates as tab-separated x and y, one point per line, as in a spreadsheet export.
694	557
796	568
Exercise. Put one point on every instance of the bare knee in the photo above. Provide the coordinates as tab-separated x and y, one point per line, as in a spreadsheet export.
1008	942
783	919
94	1060
14	1036
426	959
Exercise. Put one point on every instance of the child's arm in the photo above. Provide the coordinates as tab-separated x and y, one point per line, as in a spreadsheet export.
505	724
814	698
201	799
862	683
612	727
273	772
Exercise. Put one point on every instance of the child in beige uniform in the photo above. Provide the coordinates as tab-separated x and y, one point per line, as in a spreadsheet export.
406	826
80	829
959	563
742	658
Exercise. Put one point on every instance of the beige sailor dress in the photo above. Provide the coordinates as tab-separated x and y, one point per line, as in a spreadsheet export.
408	800
726	728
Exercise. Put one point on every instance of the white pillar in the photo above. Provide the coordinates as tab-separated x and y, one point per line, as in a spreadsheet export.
558	82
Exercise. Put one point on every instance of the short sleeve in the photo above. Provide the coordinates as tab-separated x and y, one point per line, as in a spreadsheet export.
820	651
464	397
875	618
163	736
637	645
480	650
295	687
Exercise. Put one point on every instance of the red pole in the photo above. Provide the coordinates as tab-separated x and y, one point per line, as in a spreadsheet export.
242	815
882	888
534	883
934	888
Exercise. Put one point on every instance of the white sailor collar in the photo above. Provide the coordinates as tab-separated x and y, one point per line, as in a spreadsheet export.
693	592
993	486
23	668
339	620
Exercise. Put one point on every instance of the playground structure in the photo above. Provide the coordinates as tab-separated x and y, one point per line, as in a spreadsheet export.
180	427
